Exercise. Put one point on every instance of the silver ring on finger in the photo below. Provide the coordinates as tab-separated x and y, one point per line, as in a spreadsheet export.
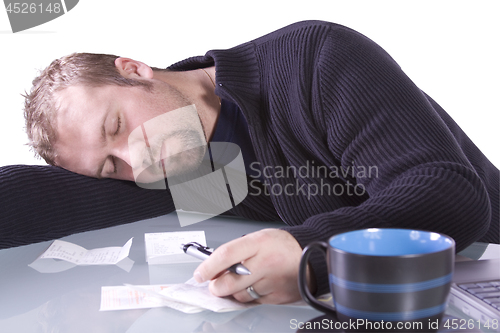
252	293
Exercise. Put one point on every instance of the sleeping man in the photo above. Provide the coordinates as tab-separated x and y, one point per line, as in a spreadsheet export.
334	137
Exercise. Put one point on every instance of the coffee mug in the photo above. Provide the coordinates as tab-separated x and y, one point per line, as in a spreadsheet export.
385	279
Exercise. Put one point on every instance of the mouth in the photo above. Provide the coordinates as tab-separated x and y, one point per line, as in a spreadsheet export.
161	166
163	153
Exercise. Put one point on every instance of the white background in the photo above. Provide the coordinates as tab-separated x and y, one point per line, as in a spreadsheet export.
449	48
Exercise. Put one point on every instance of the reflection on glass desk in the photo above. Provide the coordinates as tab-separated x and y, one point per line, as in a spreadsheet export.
69	300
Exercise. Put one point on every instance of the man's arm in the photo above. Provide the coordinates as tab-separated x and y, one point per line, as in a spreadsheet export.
41	203
376	117
372	115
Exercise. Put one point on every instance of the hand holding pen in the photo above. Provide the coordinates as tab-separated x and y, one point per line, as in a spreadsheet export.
273	257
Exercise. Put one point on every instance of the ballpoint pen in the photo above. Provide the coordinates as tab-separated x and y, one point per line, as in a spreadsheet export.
203	252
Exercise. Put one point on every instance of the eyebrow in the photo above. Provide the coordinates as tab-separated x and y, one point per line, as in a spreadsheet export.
98	173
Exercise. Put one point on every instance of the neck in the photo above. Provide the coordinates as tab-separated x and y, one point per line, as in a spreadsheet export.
199	89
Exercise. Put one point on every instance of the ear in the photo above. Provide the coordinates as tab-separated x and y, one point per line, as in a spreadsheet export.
130	68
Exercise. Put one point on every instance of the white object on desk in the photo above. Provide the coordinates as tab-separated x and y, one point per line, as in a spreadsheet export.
198	294
188	297
165	247
140	297
80	256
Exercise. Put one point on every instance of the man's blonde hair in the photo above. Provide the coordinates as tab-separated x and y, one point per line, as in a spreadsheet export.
75	69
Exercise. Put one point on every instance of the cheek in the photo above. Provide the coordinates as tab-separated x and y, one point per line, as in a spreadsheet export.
139	113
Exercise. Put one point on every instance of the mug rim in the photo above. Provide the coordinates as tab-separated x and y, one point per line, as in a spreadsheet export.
406	255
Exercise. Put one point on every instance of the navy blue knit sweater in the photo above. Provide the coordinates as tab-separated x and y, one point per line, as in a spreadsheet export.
315	95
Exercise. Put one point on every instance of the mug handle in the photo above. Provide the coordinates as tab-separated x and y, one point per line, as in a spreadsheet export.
304	290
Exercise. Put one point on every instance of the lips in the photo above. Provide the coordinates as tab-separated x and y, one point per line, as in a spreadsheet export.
164	153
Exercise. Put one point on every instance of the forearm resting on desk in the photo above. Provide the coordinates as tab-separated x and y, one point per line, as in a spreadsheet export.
41	203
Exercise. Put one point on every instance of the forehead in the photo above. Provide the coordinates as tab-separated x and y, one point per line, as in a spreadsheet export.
78	100
79	109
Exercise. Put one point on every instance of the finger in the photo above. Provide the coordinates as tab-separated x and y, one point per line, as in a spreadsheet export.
260	287
224	257
229	283
272	291
267	296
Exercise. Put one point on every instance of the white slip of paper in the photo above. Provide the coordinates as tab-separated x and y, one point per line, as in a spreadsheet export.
189	297
80	256
198	294
165	247
140	297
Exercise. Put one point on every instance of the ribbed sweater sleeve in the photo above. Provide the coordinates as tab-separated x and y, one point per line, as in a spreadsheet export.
41	203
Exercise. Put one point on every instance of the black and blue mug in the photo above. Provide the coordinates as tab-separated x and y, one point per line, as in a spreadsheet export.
385	279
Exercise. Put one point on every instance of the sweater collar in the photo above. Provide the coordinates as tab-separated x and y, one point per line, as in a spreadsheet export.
237	75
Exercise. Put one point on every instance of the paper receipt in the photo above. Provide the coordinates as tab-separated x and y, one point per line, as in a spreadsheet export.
80	256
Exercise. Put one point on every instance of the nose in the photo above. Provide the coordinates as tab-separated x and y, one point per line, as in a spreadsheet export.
121	151
123	162
138	153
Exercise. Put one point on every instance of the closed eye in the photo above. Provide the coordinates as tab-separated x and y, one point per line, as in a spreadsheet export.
118	126
113	160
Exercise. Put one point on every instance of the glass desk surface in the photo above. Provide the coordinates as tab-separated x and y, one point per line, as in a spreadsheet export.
69	301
